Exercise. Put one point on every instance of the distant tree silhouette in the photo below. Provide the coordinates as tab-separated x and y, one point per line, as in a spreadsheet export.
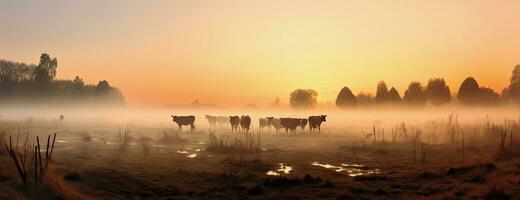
469	92
438	92
45	72
29	83
381	93
14	72
415	95
393	96
512	92
346	98
364	99
103	89
303	98
488	96
78	86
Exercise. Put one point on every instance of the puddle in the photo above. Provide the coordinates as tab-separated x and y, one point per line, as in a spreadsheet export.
349	169
282	170
190	155
61	141
197	150
263	149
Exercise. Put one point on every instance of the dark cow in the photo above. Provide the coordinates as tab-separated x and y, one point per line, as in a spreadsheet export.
212	120
222	120
234	121
276	123
263	122
290	124
315	122
184	121
303	123
245	122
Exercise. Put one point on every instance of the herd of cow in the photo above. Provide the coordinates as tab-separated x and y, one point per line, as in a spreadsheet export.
243	122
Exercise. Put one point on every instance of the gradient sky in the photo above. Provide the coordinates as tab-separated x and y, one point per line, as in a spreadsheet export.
235	52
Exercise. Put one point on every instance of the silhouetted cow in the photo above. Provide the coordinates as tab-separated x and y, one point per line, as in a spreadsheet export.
245	122
290	124
263	122
212	121
315	122
222	120
276	123
234	121
184	121
303	123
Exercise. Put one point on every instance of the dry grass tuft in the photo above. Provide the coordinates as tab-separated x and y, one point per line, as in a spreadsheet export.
243	143
171	138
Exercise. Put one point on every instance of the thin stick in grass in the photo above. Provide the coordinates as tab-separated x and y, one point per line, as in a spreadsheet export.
39	155
47	151
35	166
52	148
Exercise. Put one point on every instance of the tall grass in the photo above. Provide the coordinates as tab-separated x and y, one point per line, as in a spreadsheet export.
248	142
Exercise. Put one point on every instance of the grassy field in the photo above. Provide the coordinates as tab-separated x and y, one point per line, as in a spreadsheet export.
432	160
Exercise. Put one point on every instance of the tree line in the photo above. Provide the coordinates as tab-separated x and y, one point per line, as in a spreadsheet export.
436	92
36	84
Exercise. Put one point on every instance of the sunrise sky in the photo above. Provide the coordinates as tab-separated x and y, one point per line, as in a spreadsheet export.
244	51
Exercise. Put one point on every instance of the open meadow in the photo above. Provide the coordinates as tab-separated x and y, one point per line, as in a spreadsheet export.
356	155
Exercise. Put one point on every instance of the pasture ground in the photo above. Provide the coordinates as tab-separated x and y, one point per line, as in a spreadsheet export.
96	163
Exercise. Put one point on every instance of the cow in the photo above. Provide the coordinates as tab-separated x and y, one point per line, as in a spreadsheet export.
263	122
212	121
290	124
276	123
184	121
222	120
303	123
62	118
234	121
315	122
245	122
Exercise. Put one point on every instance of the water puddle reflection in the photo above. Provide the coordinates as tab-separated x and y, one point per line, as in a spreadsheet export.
189	155
349	169
282	170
